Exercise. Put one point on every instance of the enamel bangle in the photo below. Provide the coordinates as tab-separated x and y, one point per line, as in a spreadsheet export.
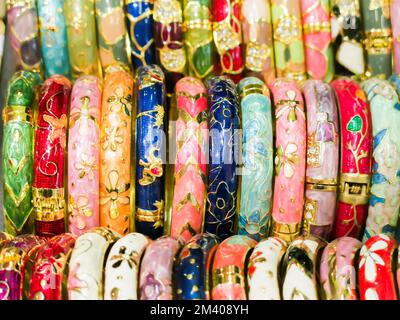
383	210
82	46
257	39
377	37
85	276
375	270
111	33
224	140
190	163
156	270
115	154
168	35
300	269
263	274
198	38
227	33
150	151
193	267
83	155
122	267
338	269
48	165
140	24
228	268
257	156
48	281
53	35
288	39
290	143
17	153
15	256
355	164
23	35
322	159
347	37
317	39
395	22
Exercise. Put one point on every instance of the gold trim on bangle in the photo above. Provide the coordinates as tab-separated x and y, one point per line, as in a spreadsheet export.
186	117
378	41
192	98
299	77
108	234
49	204
143	215
321	187
286	231
354	188
315	27
197	24
17	113
330	182
253	88
228	275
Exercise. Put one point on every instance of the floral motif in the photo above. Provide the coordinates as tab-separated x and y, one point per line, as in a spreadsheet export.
292	104
118	102
286	160
112	138
85	111
370	258
79	210
86	166
131	259
58	126
114	192
222	202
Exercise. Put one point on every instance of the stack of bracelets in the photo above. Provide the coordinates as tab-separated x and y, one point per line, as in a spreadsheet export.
200	149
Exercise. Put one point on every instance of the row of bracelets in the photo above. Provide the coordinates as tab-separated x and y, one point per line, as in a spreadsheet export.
100	264
284	38
325	162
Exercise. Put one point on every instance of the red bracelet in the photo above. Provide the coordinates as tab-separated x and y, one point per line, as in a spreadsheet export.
228	269
355	166
375	275
227	32
50	142
48	279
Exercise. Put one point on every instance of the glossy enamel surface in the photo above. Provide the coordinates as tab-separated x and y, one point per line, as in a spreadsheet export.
257	156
